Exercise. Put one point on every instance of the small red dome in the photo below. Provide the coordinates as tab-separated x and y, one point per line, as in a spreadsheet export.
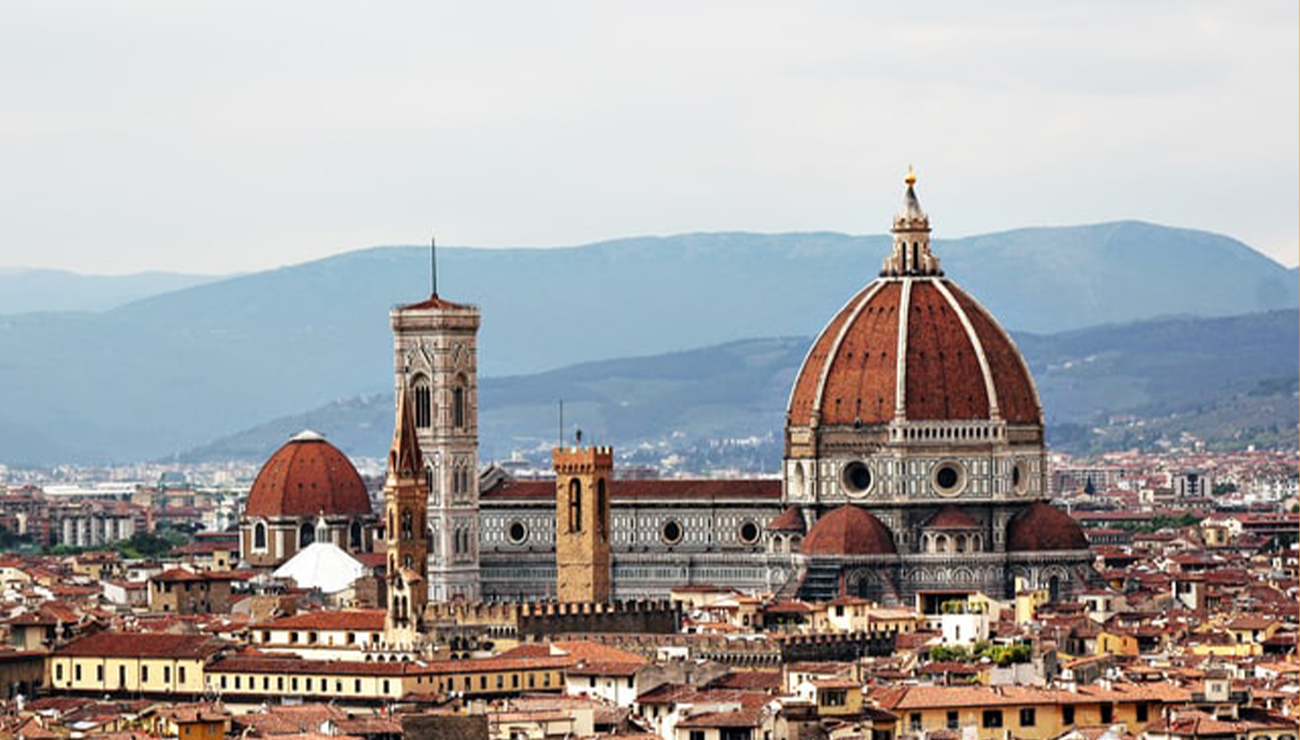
305	477
789	521
849	530
951	517
1042	527
953	355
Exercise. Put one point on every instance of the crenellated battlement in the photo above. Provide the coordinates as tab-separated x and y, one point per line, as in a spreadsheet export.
480	613
758	650
582	459
561	608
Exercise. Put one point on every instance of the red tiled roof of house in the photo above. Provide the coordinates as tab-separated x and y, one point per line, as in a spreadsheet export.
748	714
1250	622
749	681
529	650
594	652
788	607
142	645
601	668
350	619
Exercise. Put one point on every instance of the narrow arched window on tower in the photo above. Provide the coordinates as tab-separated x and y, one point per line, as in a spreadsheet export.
602	514
306	535
575	506
259	536
407	525
423	402
458	403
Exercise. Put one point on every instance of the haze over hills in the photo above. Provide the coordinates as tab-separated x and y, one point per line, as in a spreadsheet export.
1175	375
174	371
25	290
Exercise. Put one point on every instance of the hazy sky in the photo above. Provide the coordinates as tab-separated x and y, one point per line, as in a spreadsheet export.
223	136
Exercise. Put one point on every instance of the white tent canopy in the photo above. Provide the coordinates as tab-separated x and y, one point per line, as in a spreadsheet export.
323	565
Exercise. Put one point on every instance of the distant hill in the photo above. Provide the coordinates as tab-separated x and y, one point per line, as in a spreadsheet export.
173	371
1231	381
25	290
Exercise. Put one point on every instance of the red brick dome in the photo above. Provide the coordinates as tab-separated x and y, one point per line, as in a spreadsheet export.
305	477
790	520
951	517
849	530
957	363
1042	527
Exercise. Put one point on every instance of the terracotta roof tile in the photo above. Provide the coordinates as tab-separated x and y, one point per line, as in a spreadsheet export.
349	619
143	645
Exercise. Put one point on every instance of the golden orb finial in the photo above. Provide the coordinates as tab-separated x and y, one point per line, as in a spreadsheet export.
911	176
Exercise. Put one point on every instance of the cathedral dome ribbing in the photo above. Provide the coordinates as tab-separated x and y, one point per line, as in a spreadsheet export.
307	477
914	346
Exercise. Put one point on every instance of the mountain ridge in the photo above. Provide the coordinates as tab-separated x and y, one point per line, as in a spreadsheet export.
744	385
173	371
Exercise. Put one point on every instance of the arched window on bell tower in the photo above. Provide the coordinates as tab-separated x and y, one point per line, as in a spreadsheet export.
423	402
458	402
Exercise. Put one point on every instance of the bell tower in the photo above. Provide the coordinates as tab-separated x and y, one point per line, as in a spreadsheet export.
435	346
405	498
582	562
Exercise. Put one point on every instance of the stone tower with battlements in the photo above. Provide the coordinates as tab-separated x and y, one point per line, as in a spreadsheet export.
435	345
582	562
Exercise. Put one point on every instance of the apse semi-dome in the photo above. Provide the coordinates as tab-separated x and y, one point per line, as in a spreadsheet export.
790	520
849	530
308	476
1042	527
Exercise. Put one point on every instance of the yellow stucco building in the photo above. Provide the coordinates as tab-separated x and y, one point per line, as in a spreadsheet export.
1025	712
138	663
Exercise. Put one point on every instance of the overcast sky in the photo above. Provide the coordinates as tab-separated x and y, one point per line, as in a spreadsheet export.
227	136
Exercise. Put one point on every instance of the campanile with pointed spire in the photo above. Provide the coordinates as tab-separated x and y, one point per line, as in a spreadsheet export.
405	528
435	348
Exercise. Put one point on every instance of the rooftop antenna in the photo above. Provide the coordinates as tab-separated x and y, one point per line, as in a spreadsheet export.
560	439
433	264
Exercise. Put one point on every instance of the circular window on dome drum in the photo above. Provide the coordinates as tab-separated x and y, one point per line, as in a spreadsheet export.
856	478
1020	477
949	478
671	533
517	533
748	533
